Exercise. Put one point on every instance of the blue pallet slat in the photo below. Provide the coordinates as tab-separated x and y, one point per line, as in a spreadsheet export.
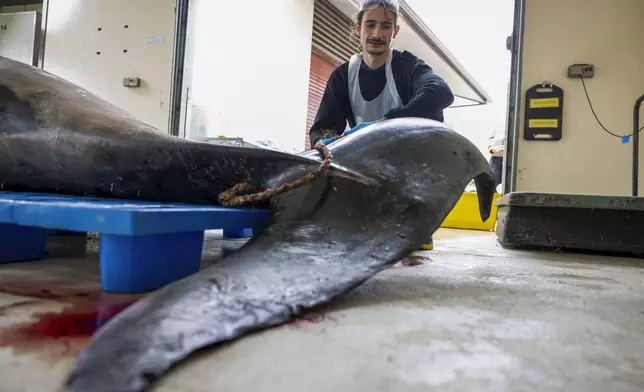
143	245
126	217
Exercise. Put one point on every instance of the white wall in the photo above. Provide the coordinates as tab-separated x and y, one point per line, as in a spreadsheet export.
605	33
475	32
250	69
73	41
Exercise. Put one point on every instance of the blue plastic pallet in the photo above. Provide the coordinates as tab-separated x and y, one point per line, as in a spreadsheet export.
142	245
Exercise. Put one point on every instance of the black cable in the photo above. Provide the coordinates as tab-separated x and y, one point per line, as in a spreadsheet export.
593	110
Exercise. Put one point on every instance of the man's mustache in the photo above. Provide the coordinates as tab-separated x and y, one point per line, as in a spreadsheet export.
375	41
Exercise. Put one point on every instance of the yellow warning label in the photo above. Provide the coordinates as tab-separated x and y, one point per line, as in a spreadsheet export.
543	123
544	103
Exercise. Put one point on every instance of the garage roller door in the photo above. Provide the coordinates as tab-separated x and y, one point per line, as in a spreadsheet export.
332	46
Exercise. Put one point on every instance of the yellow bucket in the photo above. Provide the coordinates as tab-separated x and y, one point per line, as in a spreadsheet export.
466	215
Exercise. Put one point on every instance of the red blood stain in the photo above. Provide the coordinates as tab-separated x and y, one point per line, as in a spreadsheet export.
309	318
71	324
411	261
52	335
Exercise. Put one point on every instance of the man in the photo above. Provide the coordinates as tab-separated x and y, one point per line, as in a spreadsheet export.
380	82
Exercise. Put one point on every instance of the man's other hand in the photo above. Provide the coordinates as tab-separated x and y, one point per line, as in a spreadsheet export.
359	127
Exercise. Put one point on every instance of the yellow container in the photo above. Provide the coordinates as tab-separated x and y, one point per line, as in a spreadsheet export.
466	215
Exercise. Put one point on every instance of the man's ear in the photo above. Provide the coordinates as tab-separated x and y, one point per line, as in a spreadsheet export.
357	29
396	30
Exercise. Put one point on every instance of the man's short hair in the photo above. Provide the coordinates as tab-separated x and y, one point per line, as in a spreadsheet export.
391	5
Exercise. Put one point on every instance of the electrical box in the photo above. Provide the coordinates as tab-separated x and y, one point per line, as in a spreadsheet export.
581	70
132	82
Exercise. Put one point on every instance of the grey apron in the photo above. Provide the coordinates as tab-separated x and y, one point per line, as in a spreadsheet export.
366	111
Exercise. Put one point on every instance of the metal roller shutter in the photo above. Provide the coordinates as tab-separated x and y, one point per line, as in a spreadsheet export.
332	33
321	70
332	46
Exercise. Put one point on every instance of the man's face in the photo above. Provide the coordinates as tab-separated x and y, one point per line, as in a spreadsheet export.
377	31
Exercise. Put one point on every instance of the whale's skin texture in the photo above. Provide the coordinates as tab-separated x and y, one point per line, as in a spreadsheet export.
327	238
56	137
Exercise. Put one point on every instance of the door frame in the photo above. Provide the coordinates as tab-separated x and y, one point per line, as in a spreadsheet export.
179	82
514	99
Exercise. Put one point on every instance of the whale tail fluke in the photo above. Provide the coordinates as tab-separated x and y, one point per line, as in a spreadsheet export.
485	188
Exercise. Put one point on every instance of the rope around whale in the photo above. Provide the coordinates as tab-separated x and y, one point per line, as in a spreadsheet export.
233	197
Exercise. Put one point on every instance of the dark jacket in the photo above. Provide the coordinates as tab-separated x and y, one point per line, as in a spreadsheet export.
423	93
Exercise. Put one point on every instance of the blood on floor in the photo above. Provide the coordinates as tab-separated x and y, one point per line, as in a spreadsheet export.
53	335
412	261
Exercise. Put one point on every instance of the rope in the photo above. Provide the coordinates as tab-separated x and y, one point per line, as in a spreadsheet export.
233	197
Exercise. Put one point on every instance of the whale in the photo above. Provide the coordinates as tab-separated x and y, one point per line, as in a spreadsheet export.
386	190
327	238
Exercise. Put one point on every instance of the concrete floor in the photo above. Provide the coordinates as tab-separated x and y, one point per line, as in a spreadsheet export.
472	317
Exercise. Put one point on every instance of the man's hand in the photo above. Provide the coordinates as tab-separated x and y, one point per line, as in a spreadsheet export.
497	151
359	127
350	131
328	140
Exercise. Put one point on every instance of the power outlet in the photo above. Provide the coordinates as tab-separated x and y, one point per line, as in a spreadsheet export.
581	70
131	82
